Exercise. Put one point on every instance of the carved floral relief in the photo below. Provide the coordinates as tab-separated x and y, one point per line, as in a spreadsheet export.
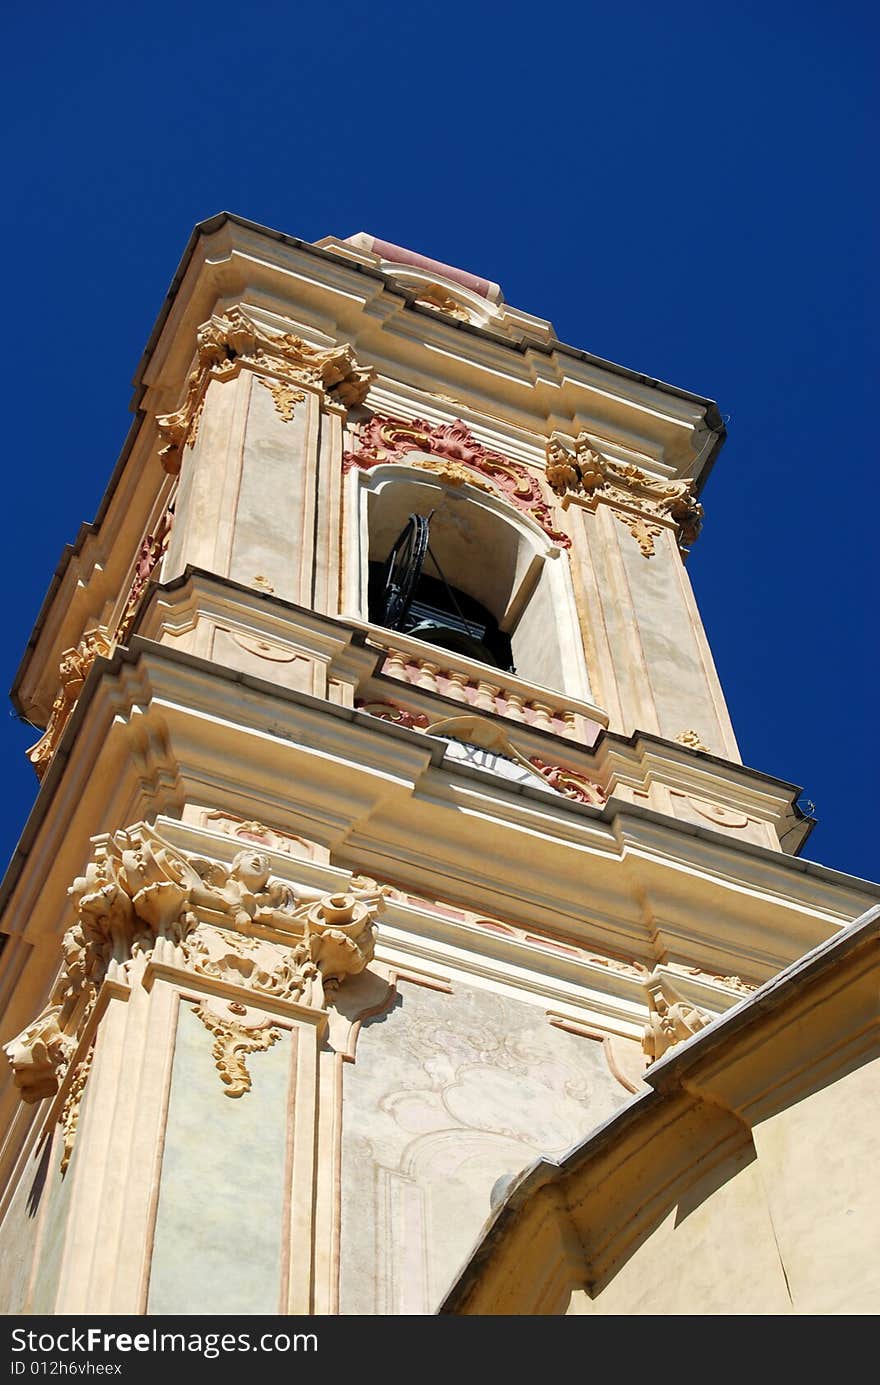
73	671
732	983
569	782
70	1110
643	533
390	711
234	1041
258	834
284	396
150	555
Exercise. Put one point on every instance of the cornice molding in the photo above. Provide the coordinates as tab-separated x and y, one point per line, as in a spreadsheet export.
224	688
233	238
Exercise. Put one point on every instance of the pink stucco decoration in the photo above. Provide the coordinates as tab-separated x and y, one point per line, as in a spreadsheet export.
389	439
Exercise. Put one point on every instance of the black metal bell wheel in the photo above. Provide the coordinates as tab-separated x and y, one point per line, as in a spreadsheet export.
403	568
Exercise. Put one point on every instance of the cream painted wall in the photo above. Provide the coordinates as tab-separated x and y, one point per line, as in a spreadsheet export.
652	661
34	1230
789	1225
209	478
818	1160
275	504
713	1253
246	502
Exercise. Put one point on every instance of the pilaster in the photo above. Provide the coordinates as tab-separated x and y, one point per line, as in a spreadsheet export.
179	974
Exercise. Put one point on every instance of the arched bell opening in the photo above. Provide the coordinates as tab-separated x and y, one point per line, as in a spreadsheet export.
457	567
410	592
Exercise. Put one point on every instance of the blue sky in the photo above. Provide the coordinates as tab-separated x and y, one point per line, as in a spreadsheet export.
687	189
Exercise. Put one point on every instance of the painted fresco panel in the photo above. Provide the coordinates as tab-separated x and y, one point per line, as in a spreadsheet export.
450	1096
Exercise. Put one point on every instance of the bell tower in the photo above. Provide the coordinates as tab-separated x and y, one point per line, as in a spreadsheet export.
391	823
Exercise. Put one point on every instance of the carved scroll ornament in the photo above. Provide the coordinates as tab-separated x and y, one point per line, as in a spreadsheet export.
390	711
386	439
233	1042
150	555
332	938
671	1019
258	834
643	533
733	983
436	297
641	498
285	397
692	740
72	672
569	782
76	663
228	341
233	923
70	1111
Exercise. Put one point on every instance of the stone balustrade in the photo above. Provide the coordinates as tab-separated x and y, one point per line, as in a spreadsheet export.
502	694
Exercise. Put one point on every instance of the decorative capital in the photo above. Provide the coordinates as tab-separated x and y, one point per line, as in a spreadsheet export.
462	460
38	1053
227	342
638	497
236	924
340	938
580	472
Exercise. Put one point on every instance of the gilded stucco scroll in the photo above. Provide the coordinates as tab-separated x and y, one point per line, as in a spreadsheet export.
643	503
72	673
76	663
